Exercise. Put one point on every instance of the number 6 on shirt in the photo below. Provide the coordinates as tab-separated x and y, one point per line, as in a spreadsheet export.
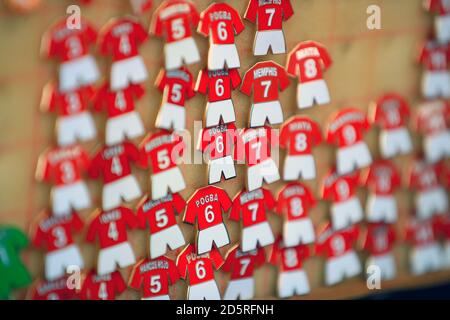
206	205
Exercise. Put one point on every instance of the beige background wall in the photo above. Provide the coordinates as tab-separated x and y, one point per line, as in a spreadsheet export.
366	65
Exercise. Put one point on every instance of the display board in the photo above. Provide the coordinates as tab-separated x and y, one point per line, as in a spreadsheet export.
366	64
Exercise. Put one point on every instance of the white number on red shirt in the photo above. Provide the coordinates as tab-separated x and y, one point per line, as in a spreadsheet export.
343	189
349	134
155	283
113	234
219	144
200	269
75	47
178	30
220	89
60	235
296	207
116	166
222	31
176	92
254	209
338	244
300	142
393	116
384	183
266	84
291	259
120	102
163	159
102	292
68	172
381	243
161	218
310	68
73	102
270	12
257	146
124	44
244	266
209	214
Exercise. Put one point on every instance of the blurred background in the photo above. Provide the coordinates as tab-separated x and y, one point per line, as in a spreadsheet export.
366	64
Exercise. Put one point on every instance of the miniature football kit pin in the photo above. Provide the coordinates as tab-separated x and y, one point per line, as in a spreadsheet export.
102	287
346	208
159	215
123	121
293	203
241	266
265	80
425	254
307	61
269	16
198	270
346	130
382	179
153	277
379	241
431	197
55	235
14	273
74	122
120	39
432	121
342	262
206	205
110	227
218	85
299	135
442	20
292	279
221	23
218	144
390	112
255	147
71	48
64	167
162	151
251	208
435	60
177	86
174	20
114	165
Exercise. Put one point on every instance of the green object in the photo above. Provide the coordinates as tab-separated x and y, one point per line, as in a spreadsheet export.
13	273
